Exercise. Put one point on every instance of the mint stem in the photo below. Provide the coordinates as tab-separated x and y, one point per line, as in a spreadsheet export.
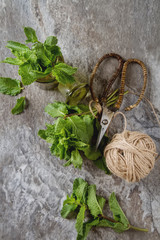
138	229
109	219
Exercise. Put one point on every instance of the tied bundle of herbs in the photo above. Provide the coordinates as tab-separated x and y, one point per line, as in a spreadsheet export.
72	133
85	202
41	62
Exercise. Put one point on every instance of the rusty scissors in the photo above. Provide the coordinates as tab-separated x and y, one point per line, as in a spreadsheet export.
106	113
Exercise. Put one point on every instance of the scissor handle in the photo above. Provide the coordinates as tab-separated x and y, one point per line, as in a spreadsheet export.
113	78
123	77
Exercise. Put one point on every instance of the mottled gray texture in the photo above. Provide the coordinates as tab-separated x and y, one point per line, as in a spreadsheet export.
33	183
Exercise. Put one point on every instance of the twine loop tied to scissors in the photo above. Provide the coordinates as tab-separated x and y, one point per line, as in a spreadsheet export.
97	106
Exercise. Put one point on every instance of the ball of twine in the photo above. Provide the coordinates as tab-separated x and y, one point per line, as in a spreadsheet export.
130	155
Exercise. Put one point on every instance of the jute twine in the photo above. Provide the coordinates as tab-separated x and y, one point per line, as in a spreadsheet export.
130	155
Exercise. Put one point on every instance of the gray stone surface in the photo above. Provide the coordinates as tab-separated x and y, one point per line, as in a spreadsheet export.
33	184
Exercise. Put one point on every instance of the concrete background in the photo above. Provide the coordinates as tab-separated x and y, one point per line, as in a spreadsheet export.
33	184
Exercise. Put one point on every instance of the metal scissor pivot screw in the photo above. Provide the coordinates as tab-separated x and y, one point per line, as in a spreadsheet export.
105	121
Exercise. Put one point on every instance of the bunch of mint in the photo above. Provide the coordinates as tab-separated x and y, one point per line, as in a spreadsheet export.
84	199
72	134
40	62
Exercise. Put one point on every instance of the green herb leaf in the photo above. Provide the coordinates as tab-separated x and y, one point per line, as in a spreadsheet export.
77	182
42	58
118	214
53	53
106	223
13	61
20	105
30	34
63	67
76	159
50	41
62	77
101	201
10	86
70	200
25	72
91	153
100	163
63	73
67	209
29	75
79	128
16	46
56	109
120	227
81	192
80	219
92	202
42	134
86	228
117	227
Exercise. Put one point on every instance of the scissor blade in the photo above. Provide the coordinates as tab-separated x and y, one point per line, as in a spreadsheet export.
105	121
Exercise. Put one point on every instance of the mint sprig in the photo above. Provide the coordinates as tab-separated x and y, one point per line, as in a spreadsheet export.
72	134
93	204
38	62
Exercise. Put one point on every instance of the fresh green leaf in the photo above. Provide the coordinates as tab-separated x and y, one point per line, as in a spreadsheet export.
77	182
81	145
20	105
70	200
63	73
63	67
120	227
50	41
10	86
53	53
42	58
30	34
106	223
88	119
56	109
41	133
76	159
13	61
38	74
81	192
86	228
118	214
16	46
29	75
91	153
92	202
25	72
80	219
100	163
101	201
62	77
117	226
79	128
67	209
